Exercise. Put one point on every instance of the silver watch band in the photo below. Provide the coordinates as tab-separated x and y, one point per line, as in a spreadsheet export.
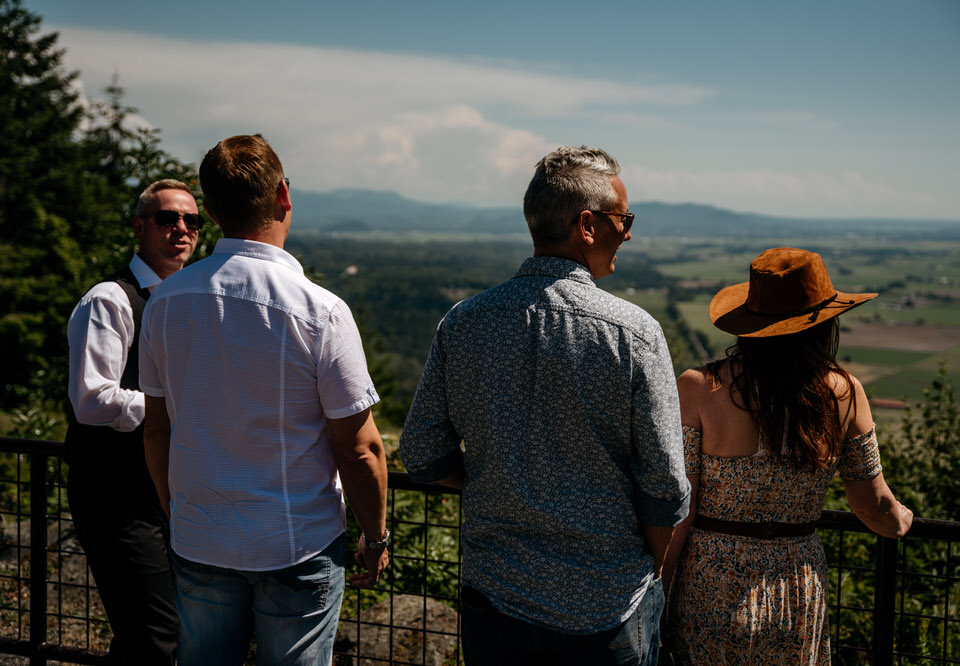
377	545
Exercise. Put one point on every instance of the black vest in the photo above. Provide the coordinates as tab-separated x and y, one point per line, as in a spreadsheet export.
101	454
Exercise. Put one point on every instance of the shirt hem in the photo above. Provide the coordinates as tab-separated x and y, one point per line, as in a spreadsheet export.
313	552
623	617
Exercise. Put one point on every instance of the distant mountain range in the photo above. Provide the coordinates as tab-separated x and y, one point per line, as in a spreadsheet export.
361	211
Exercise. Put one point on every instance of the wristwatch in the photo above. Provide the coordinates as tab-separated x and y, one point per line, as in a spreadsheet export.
377	545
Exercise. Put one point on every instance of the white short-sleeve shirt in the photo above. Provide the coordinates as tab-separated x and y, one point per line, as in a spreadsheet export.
252	359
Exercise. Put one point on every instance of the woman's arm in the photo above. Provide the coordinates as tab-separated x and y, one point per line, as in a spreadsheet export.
874	504
871	499
690	388
679	539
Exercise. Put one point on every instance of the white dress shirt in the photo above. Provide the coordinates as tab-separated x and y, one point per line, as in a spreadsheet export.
252	359
100	332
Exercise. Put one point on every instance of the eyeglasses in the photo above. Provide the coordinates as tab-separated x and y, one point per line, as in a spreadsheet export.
626	218
169	219
286	180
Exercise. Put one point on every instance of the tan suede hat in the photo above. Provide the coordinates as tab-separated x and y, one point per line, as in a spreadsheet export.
789	291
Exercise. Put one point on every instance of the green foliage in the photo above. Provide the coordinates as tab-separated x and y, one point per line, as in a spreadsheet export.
923	463
425	559
424	550
69	178
33	423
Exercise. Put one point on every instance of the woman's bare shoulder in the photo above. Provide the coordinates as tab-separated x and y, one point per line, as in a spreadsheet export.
698	389
844	386
695	380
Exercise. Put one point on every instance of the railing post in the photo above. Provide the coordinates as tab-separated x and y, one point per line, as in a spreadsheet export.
884	602
38	557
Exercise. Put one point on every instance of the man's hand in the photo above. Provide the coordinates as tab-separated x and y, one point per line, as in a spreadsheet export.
358	451
373	561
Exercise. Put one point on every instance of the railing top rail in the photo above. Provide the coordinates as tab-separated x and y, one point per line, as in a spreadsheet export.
25	445
923	528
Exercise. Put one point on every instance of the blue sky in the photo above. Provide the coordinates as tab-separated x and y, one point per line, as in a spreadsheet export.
825	109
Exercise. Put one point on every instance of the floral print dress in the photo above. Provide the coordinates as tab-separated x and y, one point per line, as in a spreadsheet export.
746	600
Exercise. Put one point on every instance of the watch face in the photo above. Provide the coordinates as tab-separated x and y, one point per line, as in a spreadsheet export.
377	545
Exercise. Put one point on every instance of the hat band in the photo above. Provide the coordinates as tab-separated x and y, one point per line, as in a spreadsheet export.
813	311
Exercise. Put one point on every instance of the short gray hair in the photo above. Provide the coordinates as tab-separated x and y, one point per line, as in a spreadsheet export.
566	182
166	184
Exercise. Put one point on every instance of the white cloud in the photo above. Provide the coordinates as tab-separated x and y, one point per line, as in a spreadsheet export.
442	129
450	154
415	124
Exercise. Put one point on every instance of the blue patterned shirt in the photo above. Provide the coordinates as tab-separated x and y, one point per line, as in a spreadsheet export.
565	399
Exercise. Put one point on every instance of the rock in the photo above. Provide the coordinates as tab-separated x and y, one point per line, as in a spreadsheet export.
408	634
66	561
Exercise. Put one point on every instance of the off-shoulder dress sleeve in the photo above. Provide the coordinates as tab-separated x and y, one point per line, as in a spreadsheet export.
860	457
691	449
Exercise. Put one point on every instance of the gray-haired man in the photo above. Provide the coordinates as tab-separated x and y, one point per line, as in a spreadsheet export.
572	467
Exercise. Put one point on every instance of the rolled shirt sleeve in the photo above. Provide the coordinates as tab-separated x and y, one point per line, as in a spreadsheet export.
100	332
343	382
429	444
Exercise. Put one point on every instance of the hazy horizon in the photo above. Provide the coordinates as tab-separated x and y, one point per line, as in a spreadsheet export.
819	109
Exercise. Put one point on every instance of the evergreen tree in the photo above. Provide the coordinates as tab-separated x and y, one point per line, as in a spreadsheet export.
40	116
69	179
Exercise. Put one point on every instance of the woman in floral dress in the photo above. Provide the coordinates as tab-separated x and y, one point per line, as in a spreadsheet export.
765	430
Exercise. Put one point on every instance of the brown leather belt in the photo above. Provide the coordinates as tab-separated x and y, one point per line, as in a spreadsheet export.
756	530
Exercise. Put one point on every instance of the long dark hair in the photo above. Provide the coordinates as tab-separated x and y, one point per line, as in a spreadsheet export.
783	382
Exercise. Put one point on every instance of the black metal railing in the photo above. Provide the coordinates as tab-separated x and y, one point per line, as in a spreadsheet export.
890	602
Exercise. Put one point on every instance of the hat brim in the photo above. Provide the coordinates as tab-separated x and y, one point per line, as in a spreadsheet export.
728	312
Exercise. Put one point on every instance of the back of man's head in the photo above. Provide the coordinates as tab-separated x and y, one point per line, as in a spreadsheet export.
566	182
239	177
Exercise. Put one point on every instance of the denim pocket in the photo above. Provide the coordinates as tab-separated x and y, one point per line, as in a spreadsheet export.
302	588
626	642
649	622
653	601
189	575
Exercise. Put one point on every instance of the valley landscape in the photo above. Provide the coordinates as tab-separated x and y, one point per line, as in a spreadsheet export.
402	264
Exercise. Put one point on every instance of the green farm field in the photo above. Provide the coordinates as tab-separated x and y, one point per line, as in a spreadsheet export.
894	343
652	300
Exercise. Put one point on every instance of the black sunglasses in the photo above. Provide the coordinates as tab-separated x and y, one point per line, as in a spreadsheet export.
626	218
169	218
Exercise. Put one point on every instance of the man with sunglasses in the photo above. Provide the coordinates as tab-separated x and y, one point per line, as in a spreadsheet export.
116	513
571	461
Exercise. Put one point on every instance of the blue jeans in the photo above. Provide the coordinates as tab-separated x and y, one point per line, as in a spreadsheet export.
491	638
293	611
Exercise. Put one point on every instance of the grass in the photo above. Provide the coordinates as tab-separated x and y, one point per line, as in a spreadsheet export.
931	313
654	301
697	317
908	383
892	357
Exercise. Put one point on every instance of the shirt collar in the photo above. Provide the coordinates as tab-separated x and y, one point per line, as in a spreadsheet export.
146	276
258	250
555	267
